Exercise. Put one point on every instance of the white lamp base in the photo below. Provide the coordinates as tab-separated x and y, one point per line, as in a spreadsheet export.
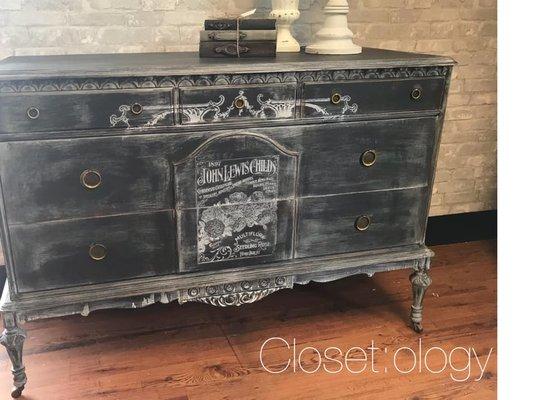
285	12
285	42
334	37
336	47
287	46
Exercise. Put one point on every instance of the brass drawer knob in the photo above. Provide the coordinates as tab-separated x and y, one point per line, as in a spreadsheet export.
33	112
336	98
362	223
239	103
416	93
97	252
136	109
368	158
90	179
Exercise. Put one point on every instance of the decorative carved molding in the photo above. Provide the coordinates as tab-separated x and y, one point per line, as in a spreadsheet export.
237	299
228	294
235	294
196	113
59	84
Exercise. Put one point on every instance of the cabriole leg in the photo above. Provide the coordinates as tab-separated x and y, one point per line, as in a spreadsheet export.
420	281
13	340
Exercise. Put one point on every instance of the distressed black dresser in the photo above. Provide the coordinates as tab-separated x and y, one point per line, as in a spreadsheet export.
133	179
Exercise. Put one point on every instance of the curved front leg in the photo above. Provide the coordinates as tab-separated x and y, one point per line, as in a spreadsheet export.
420	281
13	340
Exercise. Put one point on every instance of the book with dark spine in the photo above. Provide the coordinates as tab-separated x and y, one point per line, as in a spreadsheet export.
247	49
244	24
210	36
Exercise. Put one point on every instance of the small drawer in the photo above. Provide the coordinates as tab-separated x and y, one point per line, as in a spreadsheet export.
349	99
89	251
367	155
83	178
232	103
356	222
40	112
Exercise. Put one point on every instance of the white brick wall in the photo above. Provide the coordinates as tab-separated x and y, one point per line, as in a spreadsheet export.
463	29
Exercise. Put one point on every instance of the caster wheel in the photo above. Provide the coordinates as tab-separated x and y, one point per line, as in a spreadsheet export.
417	326
16	392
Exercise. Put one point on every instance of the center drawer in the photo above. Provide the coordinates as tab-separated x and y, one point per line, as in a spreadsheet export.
96	250
213	104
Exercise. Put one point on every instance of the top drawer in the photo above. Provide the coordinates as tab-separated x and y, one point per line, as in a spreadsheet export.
38	112
201	105
335	99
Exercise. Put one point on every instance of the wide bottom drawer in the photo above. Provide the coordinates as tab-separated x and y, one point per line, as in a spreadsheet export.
360	221
96	250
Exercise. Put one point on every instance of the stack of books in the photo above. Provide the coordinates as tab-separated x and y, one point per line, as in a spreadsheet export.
251	38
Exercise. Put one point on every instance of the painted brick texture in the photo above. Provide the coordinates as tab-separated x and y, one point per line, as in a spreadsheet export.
463	29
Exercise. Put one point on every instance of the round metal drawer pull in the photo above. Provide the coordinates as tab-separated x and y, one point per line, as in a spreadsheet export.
97	252
136	109
33	113
368	158
362	223
239	103
90	179
336	98
416	94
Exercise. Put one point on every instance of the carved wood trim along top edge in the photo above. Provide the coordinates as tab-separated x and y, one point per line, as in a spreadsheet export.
151	82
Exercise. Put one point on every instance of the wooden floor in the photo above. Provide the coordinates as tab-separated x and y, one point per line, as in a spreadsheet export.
201	352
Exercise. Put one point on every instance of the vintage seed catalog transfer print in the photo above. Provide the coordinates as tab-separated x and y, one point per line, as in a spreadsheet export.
237	208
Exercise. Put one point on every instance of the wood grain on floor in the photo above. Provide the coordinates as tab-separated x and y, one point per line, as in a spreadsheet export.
198	352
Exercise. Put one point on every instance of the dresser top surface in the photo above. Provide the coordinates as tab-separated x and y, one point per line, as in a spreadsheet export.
188	63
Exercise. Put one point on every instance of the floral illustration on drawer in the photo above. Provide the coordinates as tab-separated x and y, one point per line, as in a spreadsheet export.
233	207
237	207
